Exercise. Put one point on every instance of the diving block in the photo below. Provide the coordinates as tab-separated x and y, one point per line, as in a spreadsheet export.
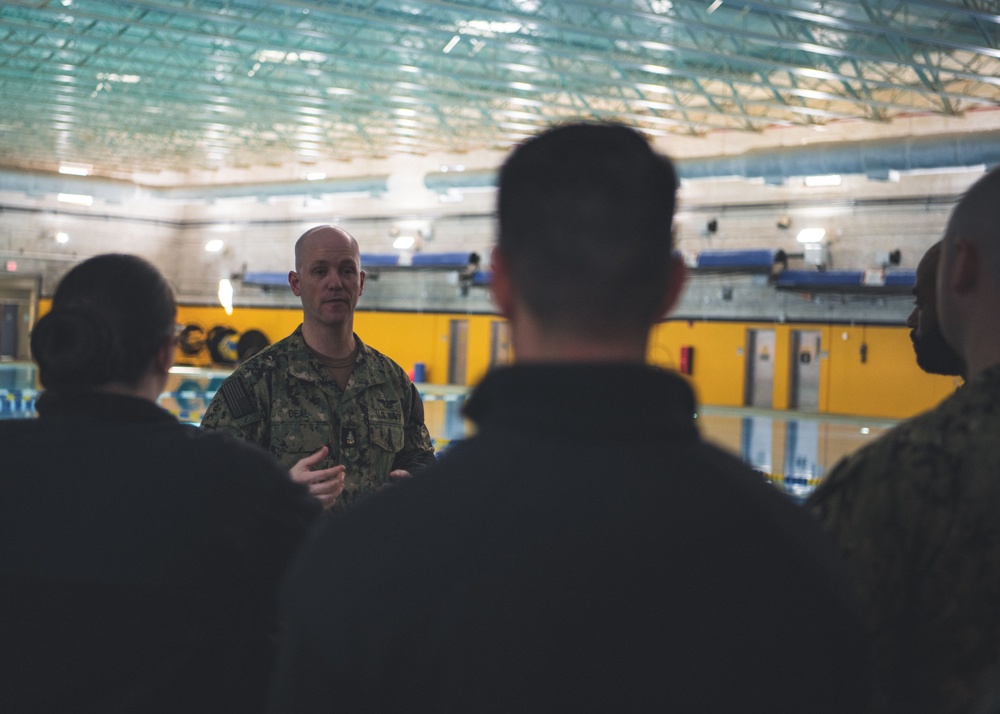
847	280
379	260
735	260
444	261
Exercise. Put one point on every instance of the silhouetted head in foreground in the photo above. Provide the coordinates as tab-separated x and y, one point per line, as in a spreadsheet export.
934	355
585	248
968	276
111	316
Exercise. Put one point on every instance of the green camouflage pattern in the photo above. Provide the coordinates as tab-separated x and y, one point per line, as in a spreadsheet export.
916	516
295	407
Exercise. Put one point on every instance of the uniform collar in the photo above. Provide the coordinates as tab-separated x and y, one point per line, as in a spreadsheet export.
303	364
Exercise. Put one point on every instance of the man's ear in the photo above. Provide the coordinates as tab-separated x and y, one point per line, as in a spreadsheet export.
965	266
500	283
293	282
163	360
675	284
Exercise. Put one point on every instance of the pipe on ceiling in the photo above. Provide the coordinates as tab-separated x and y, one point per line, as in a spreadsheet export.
38	185
875	159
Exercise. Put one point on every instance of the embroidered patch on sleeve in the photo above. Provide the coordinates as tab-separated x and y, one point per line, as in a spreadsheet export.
237	398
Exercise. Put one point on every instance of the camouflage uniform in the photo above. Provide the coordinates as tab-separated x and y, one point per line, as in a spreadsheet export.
285	400
917	517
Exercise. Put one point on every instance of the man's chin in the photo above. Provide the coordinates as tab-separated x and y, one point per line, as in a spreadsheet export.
935	356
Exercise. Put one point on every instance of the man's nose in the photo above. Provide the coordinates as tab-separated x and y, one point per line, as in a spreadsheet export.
913	321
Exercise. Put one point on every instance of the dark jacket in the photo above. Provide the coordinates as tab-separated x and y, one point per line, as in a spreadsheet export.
584	551
139	560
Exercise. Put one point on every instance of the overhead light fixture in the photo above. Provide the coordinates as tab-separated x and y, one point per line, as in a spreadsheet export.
314	57
497	26
214	245
270	56
656	69
451	44
76	198
811	235
714	6
62	237
404	242
226	295
315	176
75	169
122	78
826	180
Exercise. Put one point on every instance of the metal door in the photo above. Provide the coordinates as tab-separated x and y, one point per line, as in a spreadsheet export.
760	369
500	352
458	352
803	392
8	331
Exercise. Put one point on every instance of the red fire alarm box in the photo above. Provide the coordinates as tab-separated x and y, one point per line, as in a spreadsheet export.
687	359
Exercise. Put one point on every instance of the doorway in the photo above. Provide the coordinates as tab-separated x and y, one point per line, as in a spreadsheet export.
500	351
804	379
759	390
458	352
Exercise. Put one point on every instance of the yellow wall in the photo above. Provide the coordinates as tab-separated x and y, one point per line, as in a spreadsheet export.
717	374
406	337
888	384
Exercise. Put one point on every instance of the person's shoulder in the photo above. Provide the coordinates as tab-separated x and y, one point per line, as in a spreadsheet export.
274	354
380	358
416	510
19	435
912	451
922	437
274	359
734	483
17	426
385	366
226	456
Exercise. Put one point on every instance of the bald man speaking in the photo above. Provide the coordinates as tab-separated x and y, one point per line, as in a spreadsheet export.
342	417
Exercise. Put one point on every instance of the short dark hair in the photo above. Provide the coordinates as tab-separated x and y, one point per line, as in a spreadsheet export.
109	316
585	224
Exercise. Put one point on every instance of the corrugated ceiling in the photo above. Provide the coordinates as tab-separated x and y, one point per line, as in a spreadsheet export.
184	85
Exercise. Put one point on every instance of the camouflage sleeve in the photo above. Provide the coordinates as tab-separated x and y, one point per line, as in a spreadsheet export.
237	409
886	510
418	450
